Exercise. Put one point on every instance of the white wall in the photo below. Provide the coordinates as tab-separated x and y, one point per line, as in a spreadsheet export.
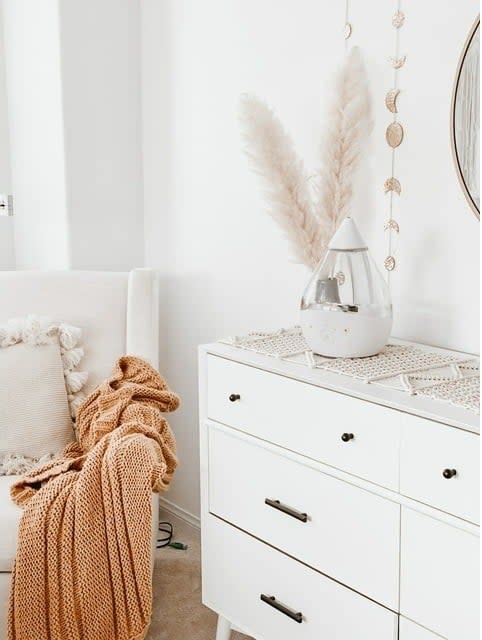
32	58
225	266
7	251
155	45
102	111
436	283
73	78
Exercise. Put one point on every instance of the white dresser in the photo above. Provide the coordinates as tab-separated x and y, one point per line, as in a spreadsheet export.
333	509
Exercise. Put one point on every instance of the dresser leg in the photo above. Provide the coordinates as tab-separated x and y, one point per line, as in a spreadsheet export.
223	630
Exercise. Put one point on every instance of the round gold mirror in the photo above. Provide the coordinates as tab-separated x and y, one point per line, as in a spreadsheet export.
466	119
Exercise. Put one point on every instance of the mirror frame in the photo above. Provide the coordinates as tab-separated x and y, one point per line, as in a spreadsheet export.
460	176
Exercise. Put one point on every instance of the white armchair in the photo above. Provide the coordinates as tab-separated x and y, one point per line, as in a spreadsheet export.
118	313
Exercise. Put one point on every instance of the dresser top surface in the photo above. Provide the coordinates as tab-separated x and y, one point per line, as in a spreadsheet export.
438	411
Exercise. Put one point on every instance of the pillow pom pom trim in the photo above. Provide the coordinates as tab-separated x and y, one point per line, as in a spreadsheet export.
37	330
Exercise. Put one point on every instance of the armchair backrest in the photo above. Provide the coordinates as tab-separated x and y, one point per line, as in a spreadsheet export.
117	312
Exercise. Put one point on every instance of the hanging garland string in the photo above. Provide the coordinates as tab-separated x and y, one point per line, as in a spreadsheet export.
394	133
347	31
394	137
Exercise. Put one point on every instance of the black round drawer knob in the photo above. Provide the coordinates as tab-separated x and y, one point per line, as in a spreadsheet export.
449	473
346	437
234	396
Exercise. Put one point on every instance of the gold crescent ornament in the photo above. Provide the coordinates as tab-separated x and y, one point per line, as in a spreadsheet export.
394	135
398	19
348	30
392	184
397	63
389	263
391	100
391	224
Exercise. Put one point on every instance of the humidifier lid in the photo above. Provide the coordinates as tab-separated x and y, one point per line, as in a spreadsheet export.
347	238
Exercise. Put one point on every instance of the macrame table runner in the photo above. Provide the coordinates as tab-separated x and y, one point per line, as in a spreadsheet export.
414	370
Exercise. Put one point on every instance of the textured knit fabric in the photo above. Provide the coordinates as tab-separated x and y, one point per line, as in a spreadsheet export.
42	425
83	564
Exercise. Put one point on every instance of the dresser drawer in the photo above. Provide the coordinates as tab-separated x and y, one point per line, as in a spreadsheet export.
410	631
307	419
439	586
238	570
345	532
429	452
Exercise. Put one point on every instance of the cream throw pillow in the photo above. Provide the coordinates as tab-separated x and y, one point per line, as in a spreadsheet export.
34	409
39	390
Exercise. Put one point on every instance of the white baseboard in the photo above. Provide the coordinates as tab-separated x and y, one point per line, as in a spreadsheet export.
181	513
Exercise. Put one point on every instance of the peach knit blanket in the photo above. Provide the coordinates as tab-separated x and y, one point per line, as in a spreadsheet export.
83	564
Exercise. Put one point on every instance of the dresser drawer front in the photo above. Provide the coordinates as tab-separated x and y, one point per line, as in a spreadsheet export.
439	585
411	631
307	419
238	569
349	534
429	452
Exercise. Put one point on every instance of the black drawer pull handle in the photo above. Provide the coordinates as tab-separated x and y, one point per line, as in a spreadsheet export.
271	600
234	396
276	504
449	473
346	437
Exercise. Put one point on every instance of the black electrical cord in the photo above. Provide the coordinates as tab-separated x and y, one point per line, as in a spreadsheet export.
165	540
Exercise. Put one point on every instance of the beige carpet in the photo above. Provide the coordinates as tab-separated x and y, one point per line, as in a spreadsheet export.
178	613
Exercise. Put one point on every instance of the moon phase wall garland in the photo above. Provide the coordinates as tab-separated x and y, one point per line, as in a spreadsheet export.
394	133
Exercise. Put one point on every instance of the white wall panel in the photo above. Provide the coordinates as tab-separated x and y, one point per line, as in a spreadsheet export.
73	79
7	250
102	113
436	288
435	284
36	126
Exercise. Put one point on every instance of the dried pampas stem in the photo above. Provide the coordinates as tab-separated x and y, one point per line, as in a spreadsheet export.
273	157
348	129
311	222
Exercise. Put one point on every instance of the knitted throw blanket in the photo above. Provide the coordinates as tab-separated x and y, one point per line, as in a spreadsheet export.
83	564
